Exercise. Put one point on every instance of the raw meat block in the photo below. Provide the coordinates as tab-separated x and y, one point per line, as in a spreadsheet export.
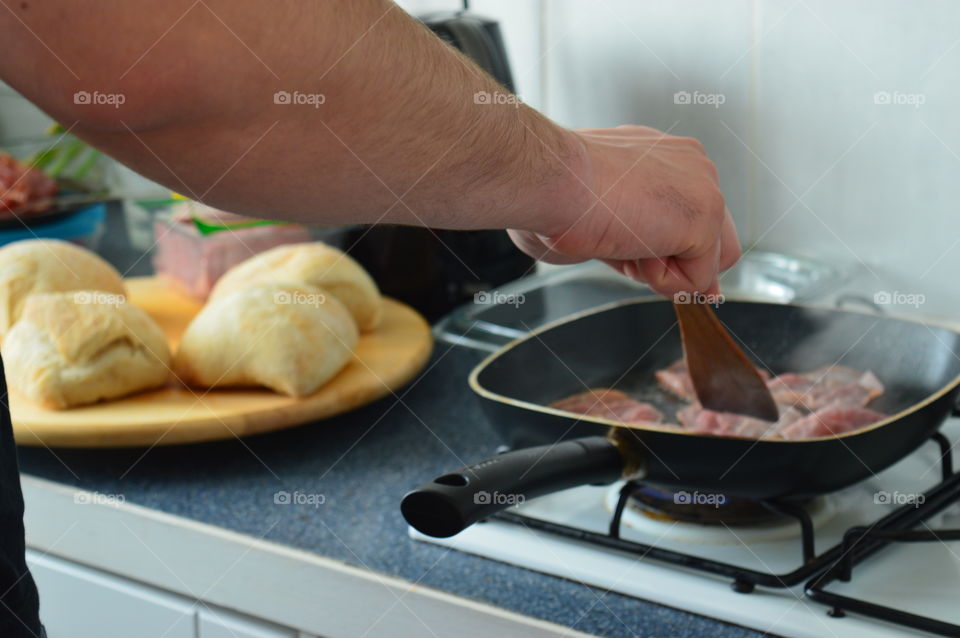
195	261
701	421
831	420
610	404
675	379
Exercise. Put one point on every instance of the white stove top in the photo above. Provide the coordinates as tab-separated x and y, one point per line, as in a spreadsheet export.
922	578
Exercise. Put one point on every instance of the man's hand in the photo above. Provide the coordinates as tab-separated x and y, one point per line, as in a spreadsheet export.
649	205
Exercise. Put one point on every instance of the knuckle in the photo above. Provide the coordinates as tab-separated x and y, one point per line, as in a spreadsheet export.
711	168
693	143
716	205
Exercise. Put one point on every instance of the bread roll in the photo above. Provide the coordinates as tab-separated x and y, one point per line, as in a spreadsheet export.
291	339
48	265
74	348
312	264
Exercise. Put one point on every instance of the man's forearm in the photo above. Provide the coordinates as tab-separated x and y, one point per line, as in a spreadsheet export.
399	136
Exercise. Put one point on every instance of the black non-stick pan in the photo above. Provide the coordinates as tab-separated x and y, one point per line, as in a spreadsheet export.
622	345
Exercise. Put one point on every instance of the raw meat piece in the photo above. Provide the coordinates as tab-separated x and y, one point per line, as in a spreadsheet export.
831	420
701	421
21	185
675	379
830	385
853	395
610	404
828	401
194	262
789	388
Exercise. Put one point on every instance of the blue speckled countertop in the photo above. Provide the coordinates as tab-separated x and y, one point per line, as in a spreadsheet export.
362	463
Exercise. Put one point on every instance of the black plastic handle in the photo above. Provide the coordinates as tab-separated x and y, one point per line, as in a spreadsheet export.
452	502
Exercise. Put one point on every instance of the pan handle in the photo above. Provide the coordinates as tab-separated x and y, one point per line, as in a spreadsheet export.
452	502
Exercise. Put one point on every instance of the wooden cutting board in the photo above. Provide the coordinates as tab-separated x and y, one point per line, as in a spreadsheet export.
384	360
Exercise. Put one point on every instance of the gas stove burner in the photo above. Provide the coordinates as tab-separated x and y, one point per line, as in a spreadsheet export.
705	508
701	518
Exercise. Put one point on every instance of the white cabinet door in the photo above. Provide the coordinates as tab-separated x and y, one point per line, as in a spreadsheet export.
218	623
78	602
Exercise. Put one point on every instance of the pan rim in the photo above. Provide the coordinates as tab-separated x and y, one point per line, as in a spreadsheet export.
473	378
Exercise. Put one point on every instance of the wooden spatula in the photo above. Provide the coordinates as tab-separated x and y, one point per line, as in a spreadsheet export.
723	377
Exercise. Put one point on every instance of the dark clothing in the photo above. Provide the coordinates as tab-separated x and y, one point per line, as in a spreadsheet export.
19	601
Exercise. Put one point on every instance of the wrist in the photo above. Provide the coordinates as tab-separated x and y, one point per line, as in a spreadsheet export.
564	187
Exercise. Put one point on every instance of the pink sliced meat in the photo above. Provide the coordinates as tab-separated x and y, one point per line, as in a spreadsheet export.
610	404
21	185
702	421
790	388
831	421
675	379
828	386
858	394
828	401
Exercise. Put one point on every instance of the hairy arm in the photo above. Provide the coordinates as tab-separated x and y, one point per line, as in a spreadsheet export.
398	118
397	138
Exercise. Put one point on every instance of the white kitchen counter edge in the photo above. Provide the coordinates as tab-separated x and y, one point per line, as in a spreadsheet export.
287	586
